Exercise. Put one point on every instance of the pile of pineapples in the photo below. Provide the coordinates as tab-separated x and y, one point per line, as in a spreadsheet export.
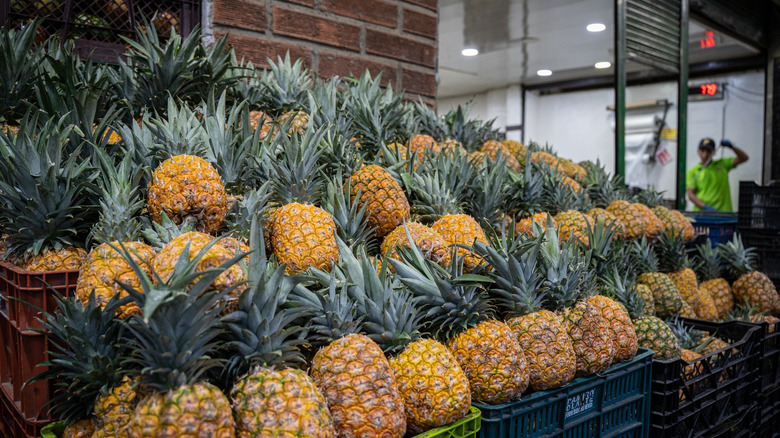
279	255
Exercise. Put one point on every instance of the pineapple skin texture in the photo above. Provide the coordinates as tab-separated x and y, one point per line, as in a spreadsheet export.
667	298
653	225
65	259
573	224
720	291
115	409
547	348
430	242
165	261
461	229
303	236
517	149
526	225
419	143
590	336
608	218
630	217
388	206
187	187
685	225
493	361
80	429
621	328
434	389
105	265
648	309
271	403
702	303
358	384
756	289
199	410
491	148
654	334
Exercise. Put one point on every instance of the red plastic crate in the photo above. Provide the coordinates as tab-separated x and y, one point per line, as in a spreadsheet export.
18	287
20	355
12	422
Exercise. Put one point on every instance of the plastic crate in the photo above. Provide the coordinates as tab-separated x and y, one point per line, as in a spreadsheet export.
742	426
19	358
95	27
719	227
13	424
767	246
613	404
466	427
722	384
22	291
768	424
759	206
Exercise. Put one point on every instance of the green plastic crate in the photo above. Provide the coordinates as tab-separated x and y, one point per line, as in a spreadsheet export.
613	404
466	427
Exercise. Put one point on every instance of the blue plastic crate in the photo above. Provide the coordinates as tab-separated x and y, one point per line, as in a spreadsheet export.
718	227
613	404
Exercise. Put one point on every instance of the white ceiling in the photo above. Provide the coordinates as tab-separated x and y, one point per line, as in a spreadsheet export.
516	38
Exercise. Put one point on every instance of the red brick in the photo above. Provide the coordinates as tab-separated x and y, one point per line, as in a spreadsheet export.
420	23
429	4
333	64
244	14
372	11
419	82
258	50
309	3
398	47
316	28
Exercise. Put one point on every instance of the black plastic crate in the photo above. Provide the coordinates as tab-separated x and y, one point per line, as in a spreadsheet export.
759	206
687	403
768	424
767	245
96	26
742	426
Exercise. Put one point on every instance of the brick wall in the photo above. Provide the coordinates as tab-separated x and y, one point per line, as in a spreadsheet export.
336	37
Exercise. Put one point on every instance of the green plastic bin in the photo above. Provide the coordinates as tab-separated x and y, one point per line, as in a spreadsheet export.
466	427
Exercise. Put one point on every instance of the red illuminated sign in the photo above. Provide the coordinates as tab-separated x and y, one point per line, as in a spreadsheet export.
708	40
709	89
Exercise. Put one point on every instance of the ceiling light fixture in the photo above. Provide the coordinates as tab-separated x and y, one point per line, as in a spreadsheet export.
469	52
544	72
595	27
603	64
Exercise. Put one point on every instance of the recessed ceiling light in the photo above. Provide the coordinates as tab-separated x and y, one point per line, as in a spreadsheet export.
595	27
603	64
544	72
469	52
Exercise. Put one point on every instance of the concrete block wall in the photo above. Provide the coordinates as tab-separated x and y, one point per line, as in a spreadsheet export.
336	37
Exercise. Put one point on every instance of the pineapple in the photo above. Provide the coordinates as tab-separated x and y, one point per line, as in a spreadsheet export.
48	197
386	202
621	329
302	235
104	265
270	398
298	121
666	297
170	359
517	149
608	218
486	349
685	225
568	279
574	226
461	229
494	149
540	157
526	225
750	287
115	408
674	261
430	242
630	217
520	295
81	429
708	269
674	222
419	144
188	188
574	171
653	225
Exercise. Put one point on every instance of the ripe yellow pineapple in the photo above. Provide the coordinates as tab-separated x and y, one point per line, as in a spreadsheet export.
188	188
669	220
750	287
674	261
452	146
526	224
429	241
493	148
653	225
574	225
262	119
387	203
543	157
684	223
65	259
547	348
114	409
461	229
666	297
572	170
517	149
608	218
300	120
655	334
81	429
621	329
420	143
711	283
628	215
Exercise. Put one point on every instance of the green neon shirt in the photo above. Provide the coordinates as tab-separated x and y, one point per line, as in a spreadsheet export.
712	183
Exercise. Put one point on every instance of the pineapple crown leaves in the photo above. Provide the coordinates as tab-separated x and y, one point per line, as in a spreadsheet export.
47	194
527	190
351	219
242	212
487	192
341	153
121	200
738	259
650	197
85	355
670	249
174	341
21	63
519	288
248	87
707	261
687	336
178	132
261	332
743	312
566	270
470	133
432	197
603	255
452	301
160	234
621	286
285	85
377	114
643	256
297	176
425	120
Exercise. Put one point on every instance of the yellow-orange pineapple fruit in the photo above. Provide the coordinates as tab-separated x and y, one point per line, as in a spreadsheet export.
303	236
492	148
461	229
429	241
387	204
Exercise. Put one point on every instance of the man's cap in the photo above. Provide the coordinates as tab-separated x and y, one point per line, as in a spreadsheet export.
707	143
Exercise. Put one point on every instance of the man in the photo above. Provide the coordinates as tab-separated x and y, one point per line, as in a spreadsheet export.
707	183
